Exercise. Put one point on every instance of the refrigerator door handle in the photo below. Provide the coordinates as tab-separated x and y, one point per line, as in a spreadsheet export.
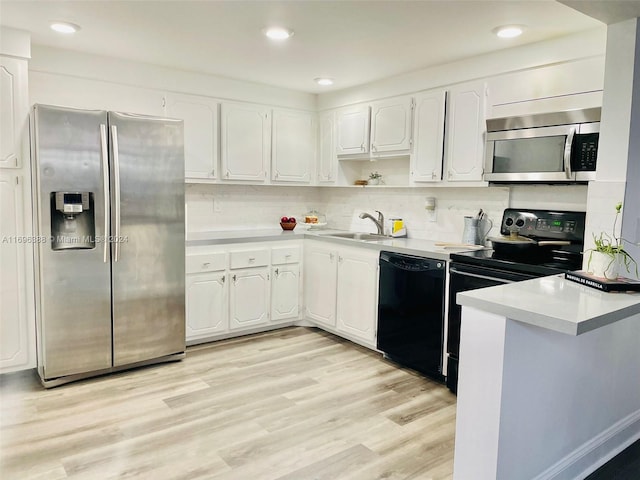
116	187
105	187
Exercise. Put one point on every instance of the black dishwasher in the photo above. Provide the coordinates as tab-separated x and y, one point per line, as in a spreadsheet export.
411	312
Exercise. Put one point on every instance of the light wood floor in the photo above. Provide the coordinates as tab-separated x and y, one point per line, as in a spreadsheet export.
292	404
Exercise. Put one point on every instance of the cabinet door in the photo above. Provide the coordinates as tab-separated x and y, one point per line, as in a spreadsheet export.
391	122
426	162
353	130
249	298
14	113
285	292
200	115
320	284
14	341
327	158
465	132
357	303
245	141
207	300
293	147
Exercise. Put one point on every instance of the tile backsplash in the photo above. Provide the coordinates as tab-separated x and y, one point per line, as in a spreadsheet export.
239	207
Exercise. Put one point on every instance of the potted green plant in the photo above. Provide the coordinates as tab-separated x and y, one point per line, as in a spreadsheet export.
375	178
609	255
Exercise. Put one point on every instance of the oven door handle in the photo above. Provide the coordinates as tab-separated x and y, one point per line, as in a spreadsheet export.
483	277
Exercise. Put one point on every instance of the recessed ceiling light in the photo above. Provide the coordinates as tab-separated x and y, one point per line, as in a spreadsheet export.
324	81
509	31
64	27
278	33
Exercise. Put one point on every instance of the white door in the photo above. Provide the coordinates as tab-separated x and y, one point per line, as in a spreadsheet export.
465	132
293	146
285	292
327	158
14	112
245	141
249	298
320	283
14	341
353	130
426	162
207	304
391	122
200	115
357	304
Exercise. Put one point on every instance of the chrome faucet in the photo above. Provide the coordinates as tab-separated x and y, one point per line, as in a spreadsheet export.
379	222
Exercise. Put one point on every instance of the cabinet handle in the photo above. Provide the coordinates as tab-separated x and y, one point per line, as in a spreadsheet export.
287	255
252	259
223	278
205	264
276	272
331	256
362	147
227	174
213	172
340	258
374	148
234	278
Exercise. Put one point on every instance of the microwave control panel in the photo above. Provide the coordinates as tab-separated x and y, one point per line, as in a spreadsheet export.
584	152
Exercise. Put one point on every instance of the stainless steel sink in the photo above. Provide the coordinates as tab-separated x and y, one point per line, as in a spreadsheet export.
359	236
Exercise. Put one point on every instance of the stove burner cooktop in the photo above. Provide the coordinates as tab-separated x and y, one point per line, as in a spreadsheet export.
538	261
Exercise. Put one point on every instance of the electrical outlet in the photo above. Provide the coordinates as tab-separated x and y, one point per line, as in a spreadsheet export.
217	208
431	216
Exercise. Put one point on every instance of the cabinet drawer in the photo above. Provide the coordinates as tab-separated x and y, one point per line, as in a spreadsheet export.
249	258
282	255
207	262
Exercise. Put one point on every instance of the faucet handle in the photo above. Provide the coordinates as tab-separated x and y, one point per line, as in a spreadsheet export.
380	215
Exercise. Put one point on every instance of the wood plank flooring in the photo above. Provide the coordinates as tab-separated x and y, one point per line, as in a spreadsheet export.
291	404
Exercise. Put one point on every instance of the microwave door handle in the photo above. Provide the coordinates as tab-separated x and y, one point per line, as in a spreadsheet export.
567	153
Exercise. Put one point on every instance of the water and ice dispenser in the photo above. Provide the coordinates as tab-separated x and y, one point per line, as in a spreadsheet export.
72	221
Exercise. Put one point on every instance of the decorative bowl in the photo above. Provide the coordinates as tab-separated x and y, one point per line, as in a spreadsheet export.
288	225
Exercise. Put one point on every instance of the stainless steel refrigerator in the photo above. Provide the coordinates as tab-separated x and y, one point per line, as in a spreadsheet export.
109	200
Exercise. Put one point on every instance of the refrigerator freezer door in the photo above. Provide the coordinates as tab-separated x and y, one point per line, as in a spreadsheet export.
147	177
73	284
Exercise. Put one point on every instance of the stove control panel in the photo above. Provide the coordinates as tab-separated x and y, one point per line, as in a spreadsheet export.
544	224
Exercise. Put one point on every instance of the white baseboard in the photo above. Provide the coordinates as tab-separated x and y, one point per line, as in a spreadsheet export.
591	455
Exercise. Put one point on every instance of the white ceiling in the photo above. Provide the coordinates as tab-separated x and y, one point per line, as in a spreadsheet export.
354	42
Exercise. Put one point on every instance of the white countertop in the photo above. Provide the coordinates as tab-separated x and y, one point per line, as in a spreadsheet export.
554	303
409	246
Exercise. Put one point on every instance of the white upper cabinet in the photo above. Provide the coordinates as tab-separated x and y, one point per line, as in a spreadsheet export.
426	162
200	115
293	146
245	141
465	132
353	130
14	112
327	158
391	125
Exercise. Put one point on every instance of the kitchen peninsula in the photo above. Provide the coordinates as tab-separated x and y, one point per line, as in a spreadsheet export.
548	383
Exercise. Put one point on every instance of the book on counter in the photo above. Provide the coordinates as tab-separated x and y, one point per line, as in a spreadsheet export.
620	284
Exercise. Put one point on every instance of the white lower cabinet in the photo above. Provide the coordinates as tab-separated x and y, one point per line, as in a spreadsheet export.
321	282
341	289
206	294
357	295
207	300
249	298
286	282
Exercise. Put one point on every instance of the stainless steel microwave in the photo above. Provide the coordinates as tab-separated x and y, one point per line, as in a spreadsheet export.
543	148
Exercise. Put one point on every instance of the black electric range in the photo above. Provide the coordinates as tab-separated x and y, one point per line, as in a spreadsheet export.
487	268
